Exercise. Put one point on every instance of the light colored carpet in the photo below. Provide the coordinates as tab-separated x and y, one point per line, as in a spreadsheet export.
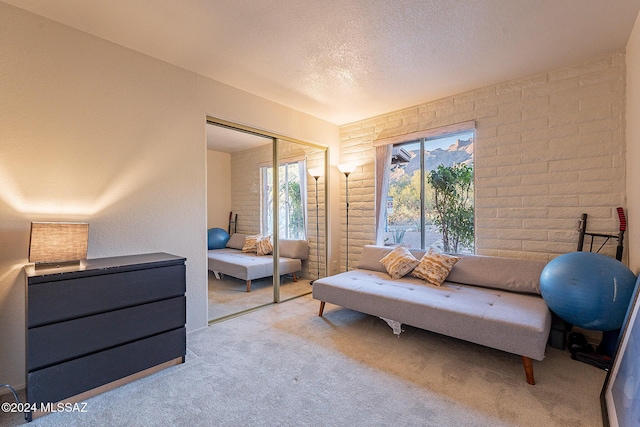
229	295
285	366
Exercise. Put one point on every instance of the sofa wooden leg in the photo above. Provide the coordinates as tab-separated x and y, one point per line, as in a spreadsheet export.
248	285
321	308
528	369
295	278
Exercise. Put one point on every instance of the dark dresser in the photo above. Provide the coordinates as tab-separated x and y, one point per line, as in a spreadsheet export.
103	323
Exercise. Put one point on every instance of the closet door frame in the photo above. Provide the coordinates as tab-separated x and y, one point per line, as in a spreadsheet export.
276	161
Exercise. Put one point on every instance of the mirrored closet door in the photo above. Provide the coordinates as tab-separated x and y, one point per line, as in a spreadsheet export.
282	208
300	215
234	180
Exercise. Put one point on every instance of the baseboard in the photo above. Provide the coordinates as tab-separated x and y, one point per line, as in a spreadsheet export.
78	398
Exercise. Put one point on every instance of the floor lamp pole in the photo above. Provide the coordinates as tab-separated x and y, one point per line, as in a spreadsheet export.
315	176
346	183
317	229
346	169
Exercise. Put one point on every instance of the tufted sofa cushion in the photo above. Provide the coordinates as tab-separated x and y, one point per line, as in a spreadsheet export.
248	266
515	275
293	248
510	274
236	241
289	248
508	321
371	256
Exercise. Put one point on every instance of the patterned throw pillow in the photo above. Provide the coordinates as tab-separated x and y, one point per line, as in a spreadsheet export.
399	262
264	246
251	243
434	267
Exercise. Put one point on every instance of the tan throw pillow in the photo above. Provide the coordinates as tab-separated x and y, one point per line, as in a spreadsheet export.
399	262
264	246
434	267
251	243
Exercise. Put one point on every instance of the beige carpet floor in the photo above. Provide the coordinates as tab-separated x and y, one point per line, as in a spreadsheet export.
285	366
229	295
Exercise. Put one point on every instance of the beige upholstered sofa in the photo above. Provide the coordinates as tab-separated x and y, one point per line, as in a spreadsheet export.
490	301
249	266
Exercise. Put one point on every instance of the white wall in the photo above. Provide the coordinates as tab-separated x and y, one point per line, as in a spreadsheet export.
224	102
633	147
218	189
96	132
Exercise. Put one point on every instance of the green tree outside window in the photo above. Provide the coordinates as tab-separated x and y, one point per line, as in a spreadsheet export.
453	205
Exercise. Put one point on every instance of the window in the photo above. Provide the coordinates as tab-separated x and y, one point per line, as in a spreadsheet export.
291	199
430	195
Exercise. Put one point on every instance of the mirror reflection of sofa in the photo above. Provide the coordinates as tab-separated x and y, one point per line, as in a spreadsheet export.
248	266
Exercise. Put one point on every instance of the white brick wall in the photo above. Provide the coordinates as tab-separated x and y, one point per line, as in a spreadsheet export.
246	194
245	186
549	147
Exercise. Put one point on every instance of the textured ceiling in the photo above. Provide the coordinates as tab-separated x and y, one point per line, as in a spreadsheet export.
346	60
232	141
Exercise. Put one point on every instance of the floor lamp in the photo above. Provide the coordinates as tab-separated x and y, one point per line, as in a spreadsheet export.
346	169
317	173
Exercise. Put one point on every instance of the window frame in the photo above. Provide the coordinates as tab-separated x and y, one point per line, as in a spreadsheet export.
423	138
266	172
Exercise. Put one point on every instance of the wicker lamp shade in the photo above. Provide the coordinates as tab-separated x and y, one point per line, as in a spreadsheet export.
58	242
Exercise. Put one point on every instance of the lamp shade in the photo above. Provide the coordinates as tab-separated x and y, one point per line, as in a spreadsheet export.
58	242
315	172
346	168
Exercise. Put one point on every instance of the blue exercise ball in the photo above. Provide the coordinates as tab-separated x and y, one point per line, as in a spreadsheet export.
217	238
589	290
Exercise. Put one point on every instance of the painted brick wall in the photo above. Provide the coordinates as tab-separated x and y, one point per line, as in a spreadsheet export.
245	186
549	147
246	195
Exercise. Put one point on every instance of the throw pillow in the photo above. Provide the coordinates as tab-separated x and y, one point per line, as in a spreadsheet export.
399	262
434	267
251	243
264	246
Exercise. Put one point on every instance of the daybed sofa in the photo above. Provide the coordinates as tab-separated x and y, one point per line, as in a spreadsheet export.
486	300
249	266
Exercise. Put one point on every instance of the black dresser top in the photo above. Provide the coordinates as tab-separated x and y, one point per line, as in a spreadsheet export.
89	267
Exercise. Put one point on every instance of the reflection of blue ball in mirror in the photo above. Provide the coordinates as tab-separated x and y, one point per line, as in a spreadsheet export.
217	238
588	290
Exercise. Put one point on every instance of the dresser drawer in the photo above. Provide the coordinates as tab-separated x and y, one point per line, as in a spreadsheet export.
68	379
60	342
62	300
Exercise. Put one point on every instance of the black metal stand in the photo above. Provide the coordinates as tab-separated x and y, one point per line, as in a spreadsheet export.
602	358
620	236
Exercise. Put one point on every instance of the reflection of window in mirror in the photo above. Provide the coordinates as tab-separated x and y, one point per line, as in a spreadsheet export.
292	200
